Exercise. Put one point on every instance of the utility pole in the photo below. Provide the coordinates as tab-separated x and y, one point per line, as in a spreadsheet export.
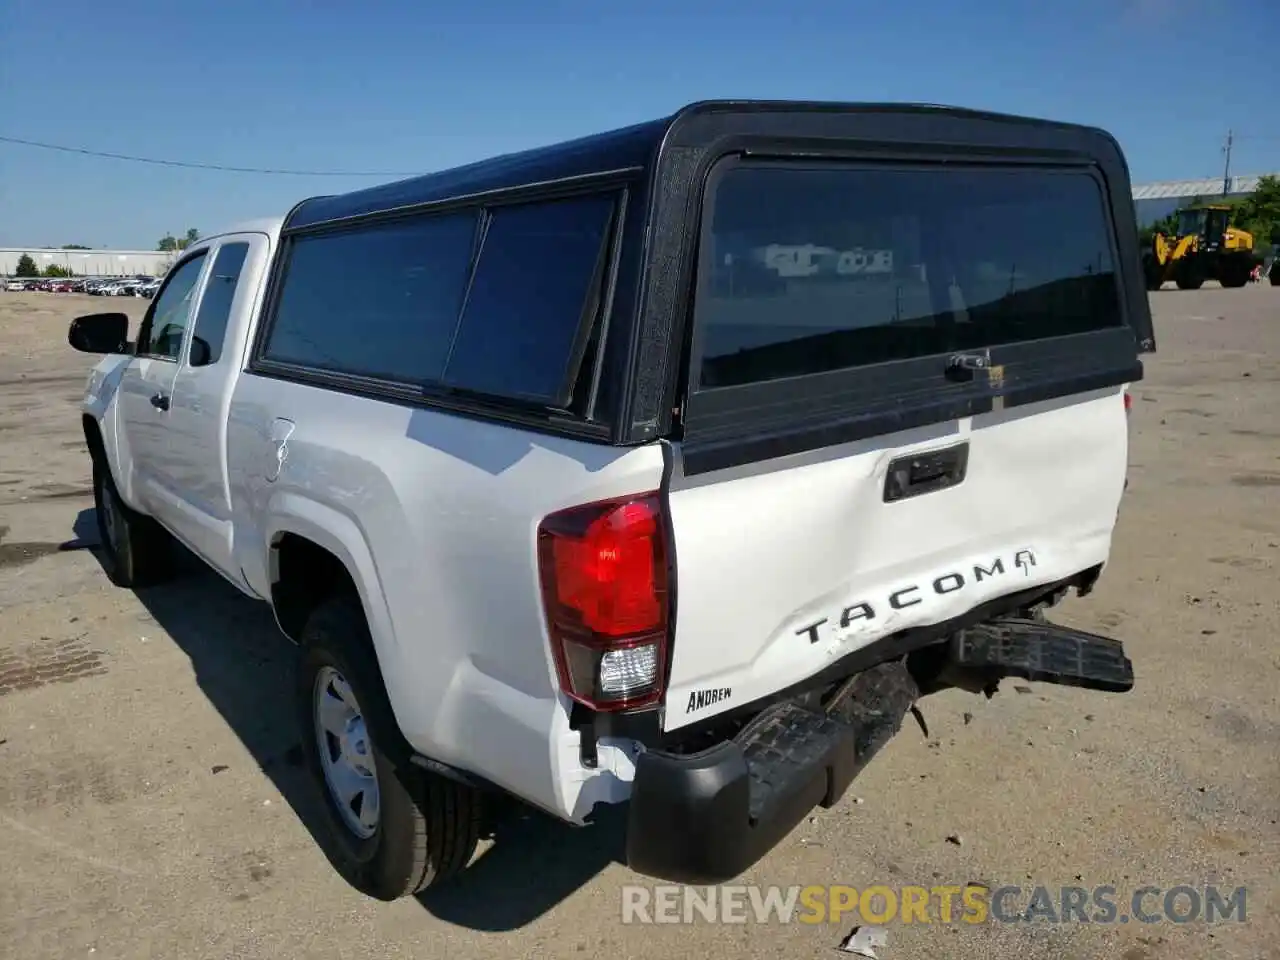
1226	170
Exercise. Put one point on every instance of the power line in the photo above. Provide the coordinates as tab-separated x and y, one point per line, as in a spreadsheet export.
207	166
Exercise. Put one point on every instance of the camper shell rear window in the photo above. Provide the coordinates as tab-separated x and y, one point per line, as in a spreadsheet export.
809	268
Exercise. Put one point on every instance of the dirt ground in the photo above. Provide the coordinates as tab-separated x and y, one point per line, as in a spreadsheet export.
151	803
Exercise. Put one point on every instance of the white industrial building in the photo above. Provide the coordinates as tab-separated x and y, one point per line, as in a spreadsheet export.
90	263
1155	201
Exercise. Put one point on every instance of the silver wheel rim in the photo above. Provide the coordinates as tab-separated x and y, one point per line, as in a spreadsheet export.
110	521
346	754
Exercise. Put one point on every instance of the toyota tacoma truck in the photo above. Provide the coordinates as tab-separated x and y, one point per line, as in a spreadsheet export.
669	466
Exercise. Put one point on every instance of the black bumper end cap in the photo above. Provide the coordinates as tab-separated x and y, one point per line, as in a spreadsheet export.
688	816
692	818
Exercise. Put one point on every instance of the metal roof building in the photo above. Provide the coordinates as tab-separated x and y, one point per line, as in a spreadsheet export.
1154	201
90	263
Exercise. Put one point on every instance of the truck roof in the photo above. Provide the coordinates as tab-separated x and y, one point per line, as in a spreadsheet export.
634	148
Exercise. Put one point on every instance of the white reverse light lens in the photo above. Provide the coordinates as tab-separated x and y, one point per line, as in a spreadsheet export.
623	672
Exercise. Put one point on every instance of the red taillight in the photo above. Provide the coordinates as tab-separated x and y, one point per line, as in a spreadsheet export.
1128	401
604	585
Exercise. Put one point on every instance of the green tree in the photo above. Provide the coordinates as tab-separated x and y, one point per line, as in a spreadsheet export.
26	267
56	270
1259	213
75	246
170	244
1167	225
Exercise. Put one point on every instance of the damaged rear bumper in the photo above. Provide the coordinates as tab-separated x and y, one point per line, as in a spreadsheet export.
1036	650
707	817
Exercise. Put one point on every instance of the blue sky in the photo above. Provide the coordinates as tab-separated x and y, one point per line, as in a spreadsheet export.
402	87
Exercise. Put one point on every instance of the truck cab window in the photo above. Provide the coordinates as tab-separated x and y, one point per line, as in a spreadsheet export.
215	305
166	324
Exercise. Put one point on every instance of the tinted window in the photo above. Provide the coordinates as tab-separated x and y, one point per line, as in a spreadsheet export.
380	300
161	335
215	304
807	270
536	278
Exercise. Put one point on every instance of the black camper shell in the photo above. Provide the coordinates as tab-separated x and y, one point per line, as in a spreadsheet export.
631	370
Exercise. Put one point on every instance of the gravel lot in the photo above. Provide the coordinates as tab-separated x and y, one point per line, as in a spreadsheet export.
151	802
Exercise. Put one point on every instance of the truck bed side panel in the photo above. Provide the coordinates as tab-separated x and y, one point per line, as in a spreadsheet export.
438	515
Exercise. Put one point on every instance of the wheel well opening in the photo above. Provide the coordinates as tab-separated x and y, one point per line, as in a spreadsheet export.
93	438
304	575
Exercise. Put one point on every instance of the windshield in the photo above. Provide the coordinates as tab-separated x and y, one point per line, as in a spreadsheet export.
1190	222
1215	224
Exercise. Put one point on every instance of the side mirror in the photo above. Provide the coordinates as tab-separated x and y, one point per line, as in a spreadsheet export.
100	333
200	353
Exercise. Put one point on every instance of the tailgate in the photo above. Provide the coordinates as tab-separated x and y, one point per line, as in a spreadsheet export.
906	398
786	567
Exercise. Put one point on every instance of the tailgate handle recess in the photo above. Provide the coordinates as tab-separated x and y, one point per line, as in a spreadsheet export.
920	473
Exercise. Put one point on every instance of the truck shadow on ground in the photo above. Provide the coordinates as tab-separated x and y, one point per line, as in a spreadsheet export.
529	862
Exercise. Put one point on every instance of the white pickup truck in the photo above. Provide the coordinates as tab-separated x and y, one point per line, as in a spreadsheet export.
669	466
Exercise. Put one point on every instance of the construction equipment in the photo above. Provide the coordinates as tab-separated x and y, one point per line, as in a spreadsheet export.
1206	247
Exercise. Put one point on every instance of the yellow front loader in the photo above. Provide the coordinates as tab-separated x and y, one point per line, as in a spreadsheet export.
1206	248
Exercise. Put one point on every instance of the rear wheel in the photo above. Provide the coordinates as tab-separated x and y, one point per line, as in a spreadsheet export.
1189	276
394	829
135	549
1234	273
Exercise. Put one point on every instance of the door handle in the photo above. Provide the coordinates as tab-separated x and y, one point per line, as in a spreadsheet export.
914	474
160	401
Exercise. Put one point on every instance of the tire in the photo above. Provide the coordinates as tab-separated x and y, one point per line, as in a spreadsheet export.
1152	273
426	827
1234	274
135	550
1189	279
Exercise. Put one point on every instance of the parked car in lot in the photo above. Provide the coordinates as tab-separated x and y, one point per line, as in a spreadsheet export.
111	286
15	286
670	466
